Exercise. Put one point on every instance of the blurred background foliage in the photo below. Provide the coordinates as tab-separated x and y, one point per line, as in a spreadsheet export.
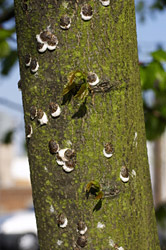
8	54
153	80
153	77
146	8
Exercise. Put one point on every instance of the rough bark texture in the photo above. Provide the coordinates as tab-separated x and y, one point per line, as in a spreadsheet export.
157	172
107	46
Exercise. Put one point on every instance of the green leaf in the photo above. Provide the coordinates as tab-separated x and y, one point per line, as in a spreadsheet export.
4	34
140	6
93	184
82	92
8	62
4	49
7	139
69	86
159	55
78	74
98	206
99	195
76	78
70	77
161	215
157	5
155	126
150	74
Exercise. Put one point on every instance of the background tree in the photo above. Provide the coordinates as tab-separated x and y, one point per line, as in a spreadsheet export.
115	212
8	55
149	7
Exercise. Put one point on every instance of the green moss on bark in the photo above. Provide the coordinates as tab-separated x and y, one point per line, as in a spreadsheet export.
107	46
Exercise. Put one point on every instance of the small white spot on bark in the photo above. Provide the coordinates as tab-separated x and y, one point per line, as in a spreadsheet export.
52	209
111	243
135	137
133	173
59	242
46	169
65	5
100	225
69	142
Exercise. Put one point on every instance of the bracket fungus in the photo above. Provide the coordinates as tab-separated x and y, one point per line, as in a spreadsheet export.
33	112
66	154
124	174
108	150
105	3
65	22
86	12
42	117
62	221
41	47
66	159
27	60
29	131
53	146
92	79
82	241
81	227
59	160
55	109
68	166
46	40
52	43
34	65
44	36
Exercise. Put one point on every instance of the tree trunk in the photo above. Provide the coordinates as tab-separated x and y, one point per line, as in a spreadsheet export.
112	112
157	172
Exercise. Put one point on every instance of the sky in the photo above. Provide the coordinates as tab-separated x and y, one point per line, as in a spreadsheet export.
150	34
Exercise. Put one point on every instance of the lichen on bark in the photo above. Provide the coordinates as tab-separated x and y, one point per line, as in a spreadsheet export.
106	45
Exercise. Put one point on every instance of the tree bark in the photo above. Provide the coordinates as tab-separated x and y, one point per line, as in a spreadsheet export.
113	112
157	172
